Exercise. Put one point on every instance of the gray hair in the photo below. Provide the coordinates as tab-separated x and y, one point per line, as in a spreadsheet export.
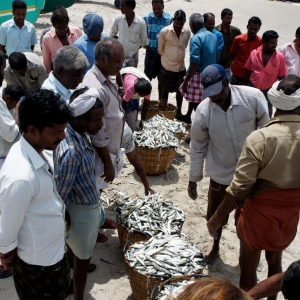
105	47
70	58
197	20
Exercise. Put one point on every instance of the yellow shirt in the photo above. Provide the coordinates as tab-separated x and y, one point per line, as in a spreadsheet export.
269	160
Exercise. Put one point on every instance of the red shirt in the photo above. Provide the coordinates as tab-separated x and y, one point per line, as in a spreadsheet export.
242	47
262	77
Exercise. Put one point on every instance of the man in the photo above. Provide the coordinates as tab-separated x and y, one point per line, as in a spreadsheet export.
203	52
209	23
222	122
17	35
155	21
62	34
74	168
229	33
93	32
68	69
267	199
9	129
135	84
131	31
32	219
241	48
291	52
172	42
265	65
25	69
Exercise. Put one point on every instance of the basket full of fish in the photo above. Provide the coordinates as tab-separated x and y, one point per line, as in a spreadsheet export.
160	258
161	107
156	148
139	219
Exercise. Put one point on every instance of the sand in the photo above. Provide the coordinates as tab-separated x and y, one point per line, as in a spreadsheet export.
111	281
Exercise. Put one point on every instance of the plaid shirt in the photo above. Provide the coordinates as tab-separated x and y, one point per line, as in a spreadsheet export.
154	26
74	169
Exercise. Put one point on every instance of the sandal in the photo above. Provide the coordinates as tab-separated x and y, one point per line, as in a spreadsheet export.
101	238
109	224
5	273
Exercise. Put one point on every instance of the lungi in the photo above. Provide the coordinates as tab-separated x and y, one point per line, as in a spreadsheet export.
152	64
171	81
195	89
268	221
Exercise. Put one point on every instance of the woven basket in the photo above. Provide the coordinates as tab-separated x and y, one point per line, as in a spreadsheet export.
179	135
161	107
156	161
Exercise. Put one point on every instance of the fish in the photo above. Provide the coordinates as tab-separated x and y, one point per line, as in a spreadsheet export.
173	289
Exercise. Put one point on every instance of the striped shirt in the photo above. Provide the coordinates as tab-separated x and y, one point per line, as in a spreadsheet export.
74	169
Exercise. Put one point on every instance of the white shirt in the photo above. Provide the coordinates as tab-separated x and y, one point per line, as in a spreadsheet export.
51	83
9	130
31	211
219	136
292	58
133	37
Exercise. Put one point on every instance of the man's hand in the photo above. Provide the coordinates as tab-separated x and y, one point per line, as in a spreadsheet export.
121	92
140	125
67	221
185	87
109	172
149	191
214	224
6	259
192	190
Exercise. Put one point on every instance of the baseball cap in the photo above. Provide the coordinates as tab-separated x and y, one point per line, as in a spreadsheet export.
211	79
92	24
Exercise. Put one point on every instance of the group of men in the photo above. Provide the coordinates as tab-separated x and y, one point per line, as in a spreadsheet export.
67	122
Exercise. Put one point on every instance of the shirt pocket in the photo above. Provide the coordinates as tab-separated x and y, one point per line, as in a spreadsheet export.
25	37
134	36
247	127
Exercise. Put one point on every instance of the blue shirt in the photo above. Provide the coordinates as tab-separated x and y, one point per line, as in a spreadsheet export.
154	26
74	168
203	49
220	38
87	47
16	39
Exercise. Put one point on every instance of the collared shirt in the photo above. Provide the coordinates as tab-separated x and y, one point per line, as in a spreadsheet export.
113	122
87	47
51	44
269	160
74	168
32	213
262	77
154	26
15	39
9	130
35	74
242	47
220	39
133	37
225	56
51	83
172	49
219	136
292	58
203	49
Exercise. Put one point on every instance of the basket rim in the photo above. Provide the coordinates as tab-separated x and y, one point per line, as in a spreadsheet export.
170	147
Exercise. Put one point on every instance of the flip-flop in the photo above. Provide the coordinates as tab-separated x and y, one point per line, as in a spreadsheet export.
109	224
5	273
101	238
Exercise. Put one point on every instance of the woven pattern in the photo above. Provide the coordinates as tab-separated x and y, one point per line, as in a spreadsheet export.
179	135
156	161
161	107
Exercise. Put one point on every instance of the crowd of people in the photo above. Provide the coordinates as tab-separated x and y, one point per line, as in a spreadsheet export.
67	122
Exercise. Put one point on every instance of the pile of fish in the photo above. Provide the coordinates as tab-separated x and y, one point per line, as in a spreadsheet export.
166	256
151	214
173	289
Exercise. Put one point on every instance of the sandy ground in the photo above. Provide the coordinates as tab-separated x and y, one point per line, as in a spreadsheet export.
111	281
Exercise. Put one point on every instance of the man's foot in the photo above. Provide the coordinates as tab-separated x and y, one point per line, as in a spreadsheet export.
91	268
5	273
101	238
184	118
212	256
178	115
109	224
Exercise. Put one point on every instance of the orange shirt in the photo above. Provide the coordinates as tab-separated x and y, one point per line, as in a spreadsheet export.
51	44
242	47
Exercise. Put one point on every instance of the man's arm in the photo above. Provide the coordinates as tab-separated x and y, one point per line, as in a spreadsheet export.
109	170
220	42
46	54
42	76
262	112
246	77
192	70
144	35
234	48
3	49
10	78
33	40
3	35
9	130
32	47
161	42
115	29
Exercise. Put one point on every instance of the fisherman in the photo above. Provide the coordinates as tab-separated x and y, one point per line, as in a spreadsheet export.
267	205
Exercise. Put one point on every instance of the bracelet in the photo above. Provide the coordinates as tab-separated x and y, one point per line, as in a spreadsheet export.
121	88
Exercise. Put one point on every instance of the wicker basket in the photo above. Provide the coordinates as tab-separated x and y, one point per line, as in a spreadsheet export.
156	161
179	135
161	107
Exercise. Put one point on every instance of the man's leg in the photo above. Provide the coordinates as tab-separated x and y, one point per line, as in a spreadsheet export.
249	260
179	99
79	277
160	90
274	265
164	95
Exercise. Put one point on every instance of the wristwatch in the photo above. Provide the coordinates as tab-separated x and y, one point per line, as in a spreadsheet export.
121	87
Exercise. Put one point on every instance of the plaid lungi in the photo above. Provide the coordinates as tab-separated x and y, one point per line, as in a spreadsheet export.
195	89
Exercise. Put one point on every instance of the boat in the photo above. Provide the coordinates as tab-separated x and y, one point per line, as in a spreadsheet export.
50	4
34	8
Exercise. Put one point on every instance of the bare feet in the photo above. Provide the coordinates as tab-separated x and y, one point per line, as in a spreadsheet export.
213	255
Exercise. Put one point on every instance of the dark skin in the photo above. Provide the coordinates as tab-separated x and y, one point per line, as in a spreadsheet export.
108	68
48	139
95	38
226	21
81	125
62	32
210	23
268	50
223	99
21	72
2	67
70	79
128	12
297	43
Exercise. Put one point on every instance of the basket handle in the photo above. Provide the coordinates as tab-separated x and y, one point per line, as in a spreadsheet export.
200	275
125	246
155	288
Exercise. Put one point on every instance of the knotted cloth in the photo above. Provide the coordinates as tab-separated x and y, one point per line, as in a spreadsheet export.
84	102
282	101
